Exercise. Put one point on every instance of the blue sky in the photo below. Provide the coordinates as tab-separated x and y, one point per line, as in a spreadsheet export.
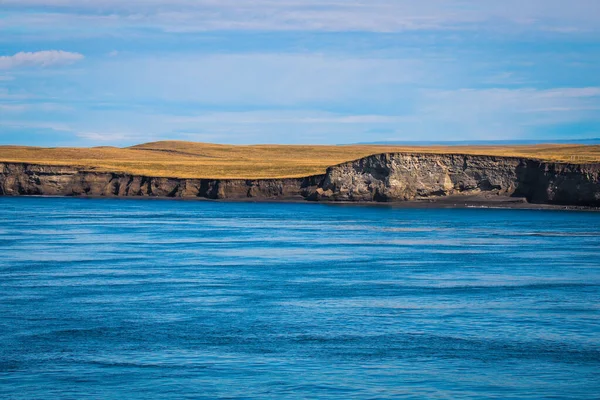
112	72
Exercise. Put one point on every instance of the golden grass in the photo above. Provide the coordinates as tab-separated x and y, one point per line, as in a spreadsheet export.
203	160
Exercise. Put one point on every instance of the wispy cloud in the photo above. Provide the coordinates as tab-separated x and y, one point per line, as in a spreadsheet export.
250	79
299	71
46	125
113	137
305	117
463	114
479	102
507	113
317	15
38	107
44	58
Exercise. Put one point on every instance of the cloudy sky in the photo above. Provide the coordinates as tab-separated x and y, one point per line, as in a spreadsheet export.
113	72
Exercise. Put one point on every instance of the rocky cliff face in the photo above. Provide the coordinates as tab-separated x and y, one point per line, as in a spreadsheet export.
379	178
31	179
393	177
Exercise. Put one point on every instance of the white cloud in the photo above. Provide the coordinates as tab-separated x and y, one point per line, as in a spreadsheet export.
315	15
40	58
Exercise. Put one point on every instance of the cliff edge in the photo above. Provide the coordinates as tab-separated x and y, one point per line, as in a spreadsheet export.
389	177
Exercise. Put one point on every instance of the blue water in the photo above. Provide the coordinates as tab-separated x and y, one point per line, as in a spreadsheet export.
129	299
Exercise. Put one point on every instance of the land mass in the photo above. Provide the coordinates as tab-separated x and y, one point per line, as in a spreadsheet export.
539	174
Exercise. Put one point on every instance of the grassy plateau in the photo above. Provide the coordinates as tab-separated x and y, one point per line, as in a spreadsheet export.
203	160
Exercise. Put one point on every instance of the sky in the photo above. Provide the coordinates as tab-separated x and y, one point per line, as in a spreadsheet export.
118	73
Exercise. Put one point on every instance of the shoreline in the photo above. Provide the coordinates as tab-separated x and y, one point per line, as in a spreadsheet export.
398	179
450	202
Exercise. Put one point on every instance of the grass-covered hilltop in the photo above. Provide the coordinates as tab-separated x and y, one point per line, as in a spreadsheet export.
177	159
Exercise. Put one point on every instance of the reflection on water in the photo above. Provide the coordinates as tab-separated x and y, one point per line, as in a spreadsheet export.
131	299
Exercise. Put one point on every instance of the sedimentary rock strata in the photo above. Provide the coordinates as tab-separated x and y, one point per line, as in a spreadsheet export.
378	178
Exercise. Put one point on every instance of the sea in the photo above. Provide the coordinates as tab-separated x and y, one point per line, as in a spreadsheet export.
167	299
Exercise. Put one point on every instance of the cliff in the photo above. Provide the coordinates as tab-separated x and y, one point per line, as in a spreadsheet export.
397	177
378	178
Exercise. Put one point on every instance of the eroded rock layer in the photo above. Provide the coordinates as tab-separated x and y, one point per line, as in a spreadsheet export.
378	178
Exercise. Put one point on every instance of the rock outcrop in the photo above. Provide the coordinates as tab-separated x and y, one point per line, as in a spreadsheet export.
397	177
377	178
32	179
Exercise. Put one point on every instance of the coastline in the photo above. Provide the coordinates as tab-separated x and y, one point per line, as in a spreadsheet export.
450	202
409	180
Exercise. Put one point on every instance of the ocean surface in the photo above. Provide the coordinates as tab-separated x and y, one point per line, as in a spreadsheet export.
128	299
